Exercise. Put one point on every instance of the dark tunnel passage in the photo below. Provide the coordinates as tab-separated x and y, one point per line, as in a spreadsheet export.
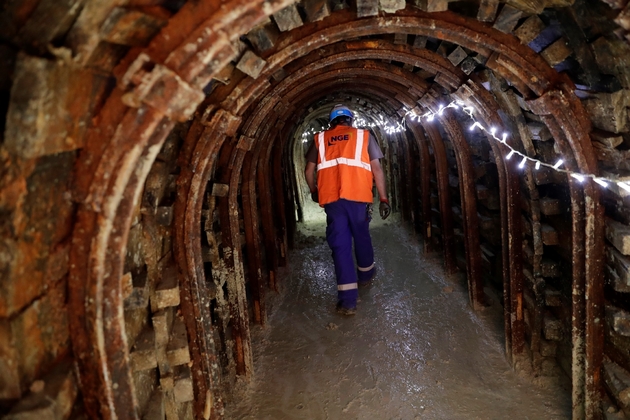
152	182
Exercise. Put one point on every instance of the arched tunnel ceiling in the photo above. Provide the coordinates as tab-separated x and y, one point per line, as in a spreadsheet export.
248	102
341	54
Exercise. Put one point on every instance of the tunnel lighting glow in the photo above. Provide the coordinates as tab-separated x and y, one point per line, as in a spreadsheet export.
578	177
624	186
601	182
469	110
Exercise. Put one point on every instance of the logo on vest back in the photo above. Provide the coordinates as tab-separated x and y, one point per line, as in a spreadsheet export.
332	140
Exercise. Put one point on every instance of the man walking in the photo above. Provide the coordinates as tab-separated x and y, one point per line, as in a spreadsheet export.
347	161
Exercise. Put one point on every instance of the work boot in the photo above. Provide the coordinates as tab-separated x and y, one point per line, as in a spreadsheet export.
345	311
366	283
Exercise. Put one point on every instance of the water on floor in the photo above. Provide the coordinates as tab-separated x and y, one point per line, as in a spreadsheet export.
414	350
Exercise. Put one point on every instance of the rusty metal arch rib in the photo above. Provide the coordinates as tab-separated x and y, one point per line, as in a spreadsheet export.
113	166
579	145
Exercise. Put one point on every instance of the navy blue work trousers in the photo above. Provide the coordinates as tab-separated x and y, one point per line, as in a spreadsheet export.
349	221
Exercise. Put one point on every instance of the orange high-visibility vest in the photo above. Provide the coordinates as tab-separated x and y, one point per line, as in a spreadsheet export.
343	165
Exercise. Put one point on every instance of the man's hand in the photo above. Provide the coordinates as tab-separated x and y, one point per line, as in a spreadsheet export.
315	196
384	209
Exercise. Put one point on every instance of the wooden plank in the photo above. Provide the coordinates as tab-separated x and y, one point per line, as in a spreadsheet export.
487	10
457	56
155	408
400	38
617	380
530	29
177	349
142	354
316	10
166	293
551	206
251	64
507	19
139	296
552	327
549	235
619	266
392	6
49	20
557	52
133	27
553	297
367	8
263	36
432	5
619	235
288	18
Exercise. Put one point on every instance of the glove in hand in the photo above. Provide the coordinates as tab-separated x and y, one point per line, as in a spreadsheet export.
384	209
315	196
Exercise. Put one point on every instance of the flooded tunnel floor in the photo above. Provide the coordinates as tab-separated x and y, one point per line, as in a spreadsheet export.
415	349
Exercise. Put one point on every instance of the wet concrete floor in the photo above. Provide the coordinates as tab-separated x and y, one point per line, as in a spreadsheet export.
414	350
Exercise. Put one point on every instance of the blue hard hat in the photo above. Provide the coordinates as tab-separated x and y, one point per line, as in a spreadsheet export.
340	111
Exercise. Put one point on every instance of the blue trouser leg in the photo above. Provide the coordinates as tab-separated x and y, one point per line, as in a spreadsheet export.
348	220
339	237
363	250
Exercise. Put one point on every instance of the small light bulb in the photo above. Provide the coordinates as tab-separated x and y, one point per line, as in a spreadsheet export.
522	164
504	137
578	177
509	155
558	163
430	117
493	130
537	164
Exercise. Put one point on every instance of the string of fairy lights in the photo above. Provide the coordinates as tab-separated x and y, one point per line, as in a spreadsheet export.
361	122
525	159
476	125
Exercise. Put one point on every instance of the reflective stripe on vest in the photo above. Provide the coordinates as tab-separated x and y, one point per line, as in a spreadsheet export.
343	165
342	161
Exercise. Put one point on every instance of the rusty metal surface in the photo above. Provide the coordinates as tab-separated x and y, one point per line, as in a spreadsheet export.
469	209
193	290
425	184
511	234
194	45
444	196
97	329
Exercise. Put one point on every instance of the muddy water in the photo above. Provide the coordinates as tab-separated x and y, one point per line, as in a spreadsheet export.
415	349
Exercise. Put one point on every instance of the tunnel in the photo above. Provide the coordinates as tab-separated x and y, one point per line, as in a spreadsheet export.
152	187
